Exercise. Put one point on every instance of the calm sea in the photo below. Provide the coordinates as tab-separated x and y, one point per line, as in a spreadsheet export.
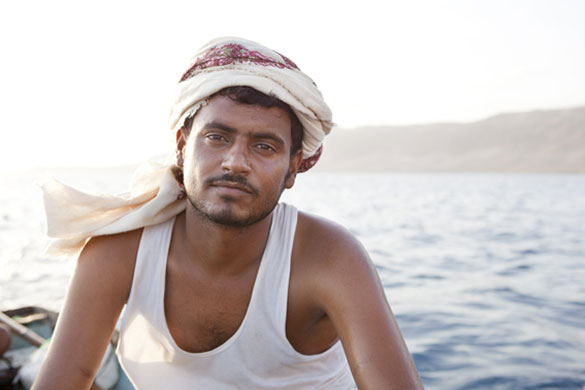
484	272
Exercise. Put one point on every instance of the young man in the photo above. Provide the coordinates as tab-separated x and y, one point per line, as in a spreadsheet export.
225	288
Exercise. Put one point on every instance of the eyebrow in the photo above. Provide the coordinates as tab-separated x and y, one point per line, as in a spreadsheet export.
257	135
218	125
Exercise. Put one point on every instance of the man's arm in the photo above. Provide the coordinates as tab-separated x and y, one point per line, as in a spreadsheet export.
98	290
348	289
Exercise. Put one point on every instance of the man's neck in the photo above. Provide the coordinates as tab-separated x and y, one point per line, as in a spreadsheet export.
221	249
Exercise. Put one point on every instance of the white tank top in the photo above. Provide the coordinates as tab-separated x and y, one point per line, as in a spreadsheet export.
257	356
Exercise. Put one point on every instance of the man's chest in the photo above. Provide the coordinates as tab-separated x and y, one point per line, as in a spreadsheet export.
203	313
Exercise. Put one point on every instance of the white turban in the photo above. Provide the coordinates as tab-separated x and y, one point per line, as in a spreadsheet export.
155	195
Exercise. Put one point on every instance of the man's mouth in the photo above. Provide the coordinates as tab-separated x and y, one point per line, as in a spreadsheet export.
232	185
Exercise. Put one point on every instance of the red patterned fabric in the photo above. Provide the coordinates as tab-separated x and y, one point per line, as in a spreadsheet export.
231	53
309	162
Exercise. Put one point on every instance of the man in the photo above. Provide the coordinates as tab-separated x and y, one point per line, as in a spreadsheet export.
225	288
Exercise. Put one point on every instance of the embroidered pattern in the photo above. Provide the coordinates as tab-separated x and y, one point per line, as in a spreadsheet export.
309	162
233	53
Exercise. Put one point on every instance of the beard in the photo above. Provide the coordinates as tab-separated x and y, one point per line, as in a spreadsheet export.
226	216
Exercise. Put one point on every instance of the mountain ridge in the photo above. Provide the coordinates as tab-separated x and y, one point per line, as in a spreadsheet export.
538	141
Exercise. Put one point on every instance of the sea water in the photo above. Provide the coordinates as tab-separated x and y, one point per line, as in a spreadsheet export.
484	272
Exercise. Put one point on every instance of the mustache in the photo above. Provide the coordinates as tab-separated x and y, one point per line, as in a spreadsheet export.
234	179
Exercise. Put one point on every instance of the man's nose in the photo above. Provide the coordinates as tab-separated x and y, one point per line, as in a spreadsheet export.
236	159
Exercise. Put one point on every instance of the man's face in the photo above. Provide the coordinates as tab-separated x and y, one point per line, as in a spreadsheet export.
237	161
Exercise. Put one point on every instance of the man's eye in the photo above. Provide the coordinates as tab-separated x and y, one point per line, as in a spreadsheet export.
265	147
215	137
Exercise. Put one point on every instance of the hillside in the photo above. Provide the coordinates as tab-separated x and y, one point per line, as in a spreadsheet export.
551	141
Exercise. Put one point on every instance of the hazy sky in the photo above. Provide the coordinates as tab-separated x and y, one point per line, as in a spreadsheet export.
91	84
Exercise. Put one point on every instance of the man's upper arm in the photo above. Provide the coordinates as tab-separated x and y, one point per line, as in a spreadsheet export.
97	292
350	292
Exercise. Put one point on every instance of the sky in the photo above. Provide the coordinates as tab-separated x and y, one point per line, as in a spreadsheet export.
90	83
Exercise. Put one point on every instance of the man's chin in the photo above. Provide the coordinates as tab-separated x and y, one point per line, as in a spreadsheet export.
227	216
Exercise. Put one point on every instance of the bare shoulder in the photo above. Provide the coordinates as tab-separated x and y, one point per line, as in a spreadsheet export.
114	247
111	258
330	261
326	245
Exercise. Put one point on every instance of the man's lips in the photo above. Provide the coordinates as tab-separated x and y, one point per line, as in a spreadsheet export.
232	185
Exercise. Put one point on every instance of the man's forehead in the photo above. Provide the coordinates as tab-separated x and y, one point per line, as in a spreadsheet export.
219	106
222	111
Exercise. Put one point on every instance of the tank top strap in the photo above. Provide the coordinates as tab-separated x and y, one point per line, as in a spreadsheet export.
270	299
148	282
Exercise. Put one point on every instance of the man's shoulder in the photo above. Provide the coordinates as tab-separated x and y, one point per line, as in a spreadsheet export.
106	265
116	250
324	243
322	228
329	263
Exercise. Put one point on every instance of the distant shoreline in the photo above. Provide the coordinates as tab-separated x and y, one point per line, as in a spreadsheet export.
551	141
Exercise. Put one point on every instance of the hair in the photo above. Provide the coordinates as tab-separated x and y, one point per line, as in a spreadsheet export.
249	95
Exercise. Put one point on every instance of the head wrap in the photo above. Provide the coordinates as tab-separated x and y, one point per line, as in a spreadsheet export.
228	62
155	196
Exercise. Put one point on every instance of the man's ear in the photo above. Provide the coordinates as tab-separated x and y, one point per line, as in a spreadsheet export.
181	141
294	165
